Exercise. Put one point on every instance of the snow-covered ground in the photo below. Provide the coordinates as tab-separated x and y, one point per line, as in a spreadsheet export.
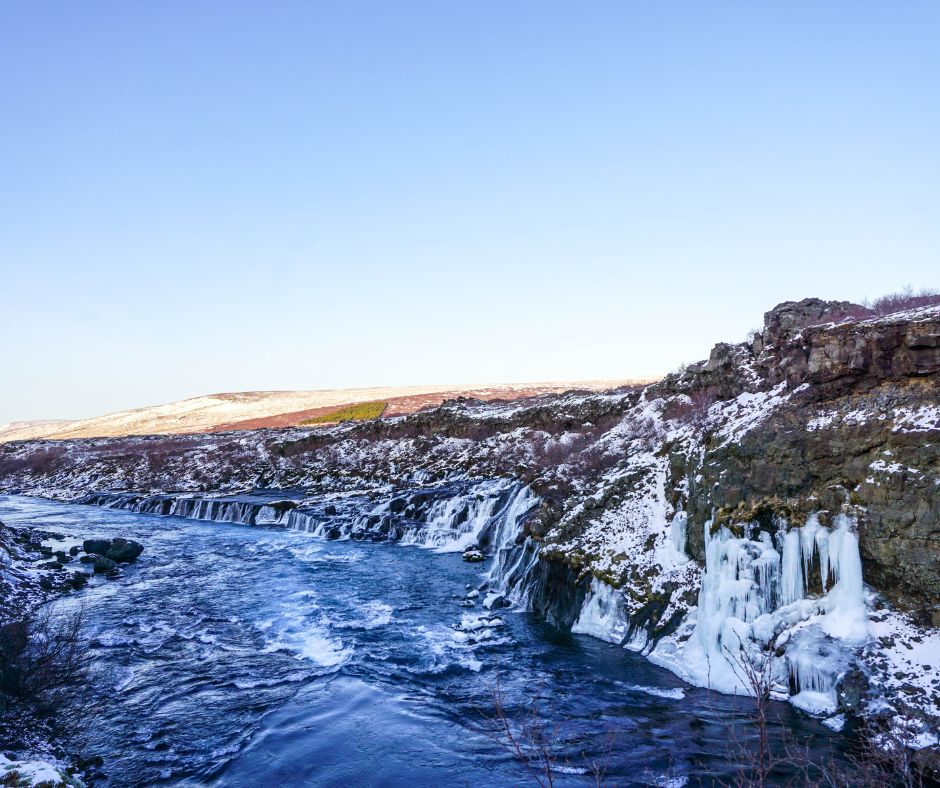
33	773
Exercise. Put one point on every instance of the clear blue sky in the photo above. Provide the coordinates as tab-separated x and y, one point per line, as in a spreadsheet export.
217	196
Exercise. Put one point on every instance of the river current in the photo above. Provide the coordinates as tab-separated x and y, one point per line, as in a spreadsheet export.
239	655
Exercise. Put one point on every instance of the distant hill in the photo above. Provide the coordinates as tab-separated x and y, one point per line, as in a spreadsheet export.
261	409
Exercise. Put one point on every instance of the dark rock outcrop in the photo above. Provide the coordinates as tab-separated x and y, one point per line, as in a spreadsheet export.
119	550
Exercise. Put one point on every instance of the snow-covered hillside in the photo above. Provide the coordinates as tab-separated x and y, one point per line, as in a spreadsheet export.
201	414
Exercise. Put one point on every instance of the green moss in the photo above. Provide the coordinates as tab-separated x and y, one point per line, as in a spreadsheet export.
362	411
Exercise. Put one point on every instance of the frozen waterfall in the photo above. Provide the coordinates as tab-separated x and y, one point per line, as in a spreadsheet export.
756	597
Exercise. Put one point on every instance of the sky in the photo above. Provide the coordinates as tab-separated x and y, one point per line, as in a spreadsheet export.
226	196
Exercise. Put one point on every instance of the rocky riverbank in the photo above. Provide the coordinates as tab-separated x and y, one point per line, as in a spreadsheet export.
36	567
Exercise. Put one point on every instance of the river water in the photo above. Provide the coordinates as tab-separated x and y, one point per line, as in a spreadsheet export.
252	656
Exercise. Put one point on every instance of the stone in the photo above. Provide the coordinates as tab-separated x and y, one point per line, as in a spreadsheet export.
124	550
78	580
852	691
104	564
99	546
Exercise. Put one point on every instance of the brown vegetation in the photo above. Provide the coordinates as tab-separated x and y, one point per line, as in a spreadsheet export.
904	299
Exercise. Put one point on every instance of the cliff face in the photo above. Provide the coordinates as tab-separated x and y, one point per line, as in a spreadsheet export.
857	423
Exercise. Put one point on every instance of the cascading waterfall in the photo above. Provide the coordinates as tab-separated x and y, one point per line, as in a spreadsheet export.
227	510
513	563
447	518
754	599
454	524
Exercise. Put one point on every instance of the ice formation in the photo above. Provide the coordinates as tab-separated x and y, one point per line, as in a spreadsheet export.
758	594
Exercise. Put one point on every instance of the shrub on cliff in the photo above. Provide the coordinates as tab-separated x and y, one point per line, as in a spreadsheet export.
904	299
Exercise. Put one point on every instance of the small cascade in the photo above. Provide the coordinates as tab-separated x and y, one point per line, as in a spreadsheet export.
455	523
512	566
449	518
193	507
754	598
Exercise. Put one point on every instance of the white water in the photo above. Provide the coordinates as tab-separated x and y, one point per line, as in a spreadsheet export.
756	589
513	563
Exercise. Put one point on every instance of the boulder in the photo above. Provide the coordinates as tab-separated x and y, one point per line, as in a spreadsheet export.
78	580
124	551
103	564
119	550
99	546
852	691
473	555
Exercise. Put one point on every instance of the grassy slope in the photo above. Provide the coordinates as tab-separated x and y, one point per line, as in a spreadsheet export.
363	411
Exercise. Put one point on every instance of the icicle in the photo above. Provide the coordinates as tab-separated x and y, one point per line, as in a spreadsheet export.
808	544
822	547
767	573
791	571
846	617
678	532
601	615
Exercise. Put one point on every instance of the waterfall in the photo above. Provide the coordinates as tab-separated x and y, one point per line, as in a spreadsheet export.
513	562
229	509
446	518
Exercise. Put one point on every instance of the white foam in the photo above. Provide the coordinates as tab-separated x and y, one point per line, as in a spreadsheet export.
673	693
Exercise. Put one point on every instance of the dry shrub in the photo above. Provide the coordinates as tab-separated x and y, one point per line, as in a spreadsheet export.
904	299
44	460
691	408
47	678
